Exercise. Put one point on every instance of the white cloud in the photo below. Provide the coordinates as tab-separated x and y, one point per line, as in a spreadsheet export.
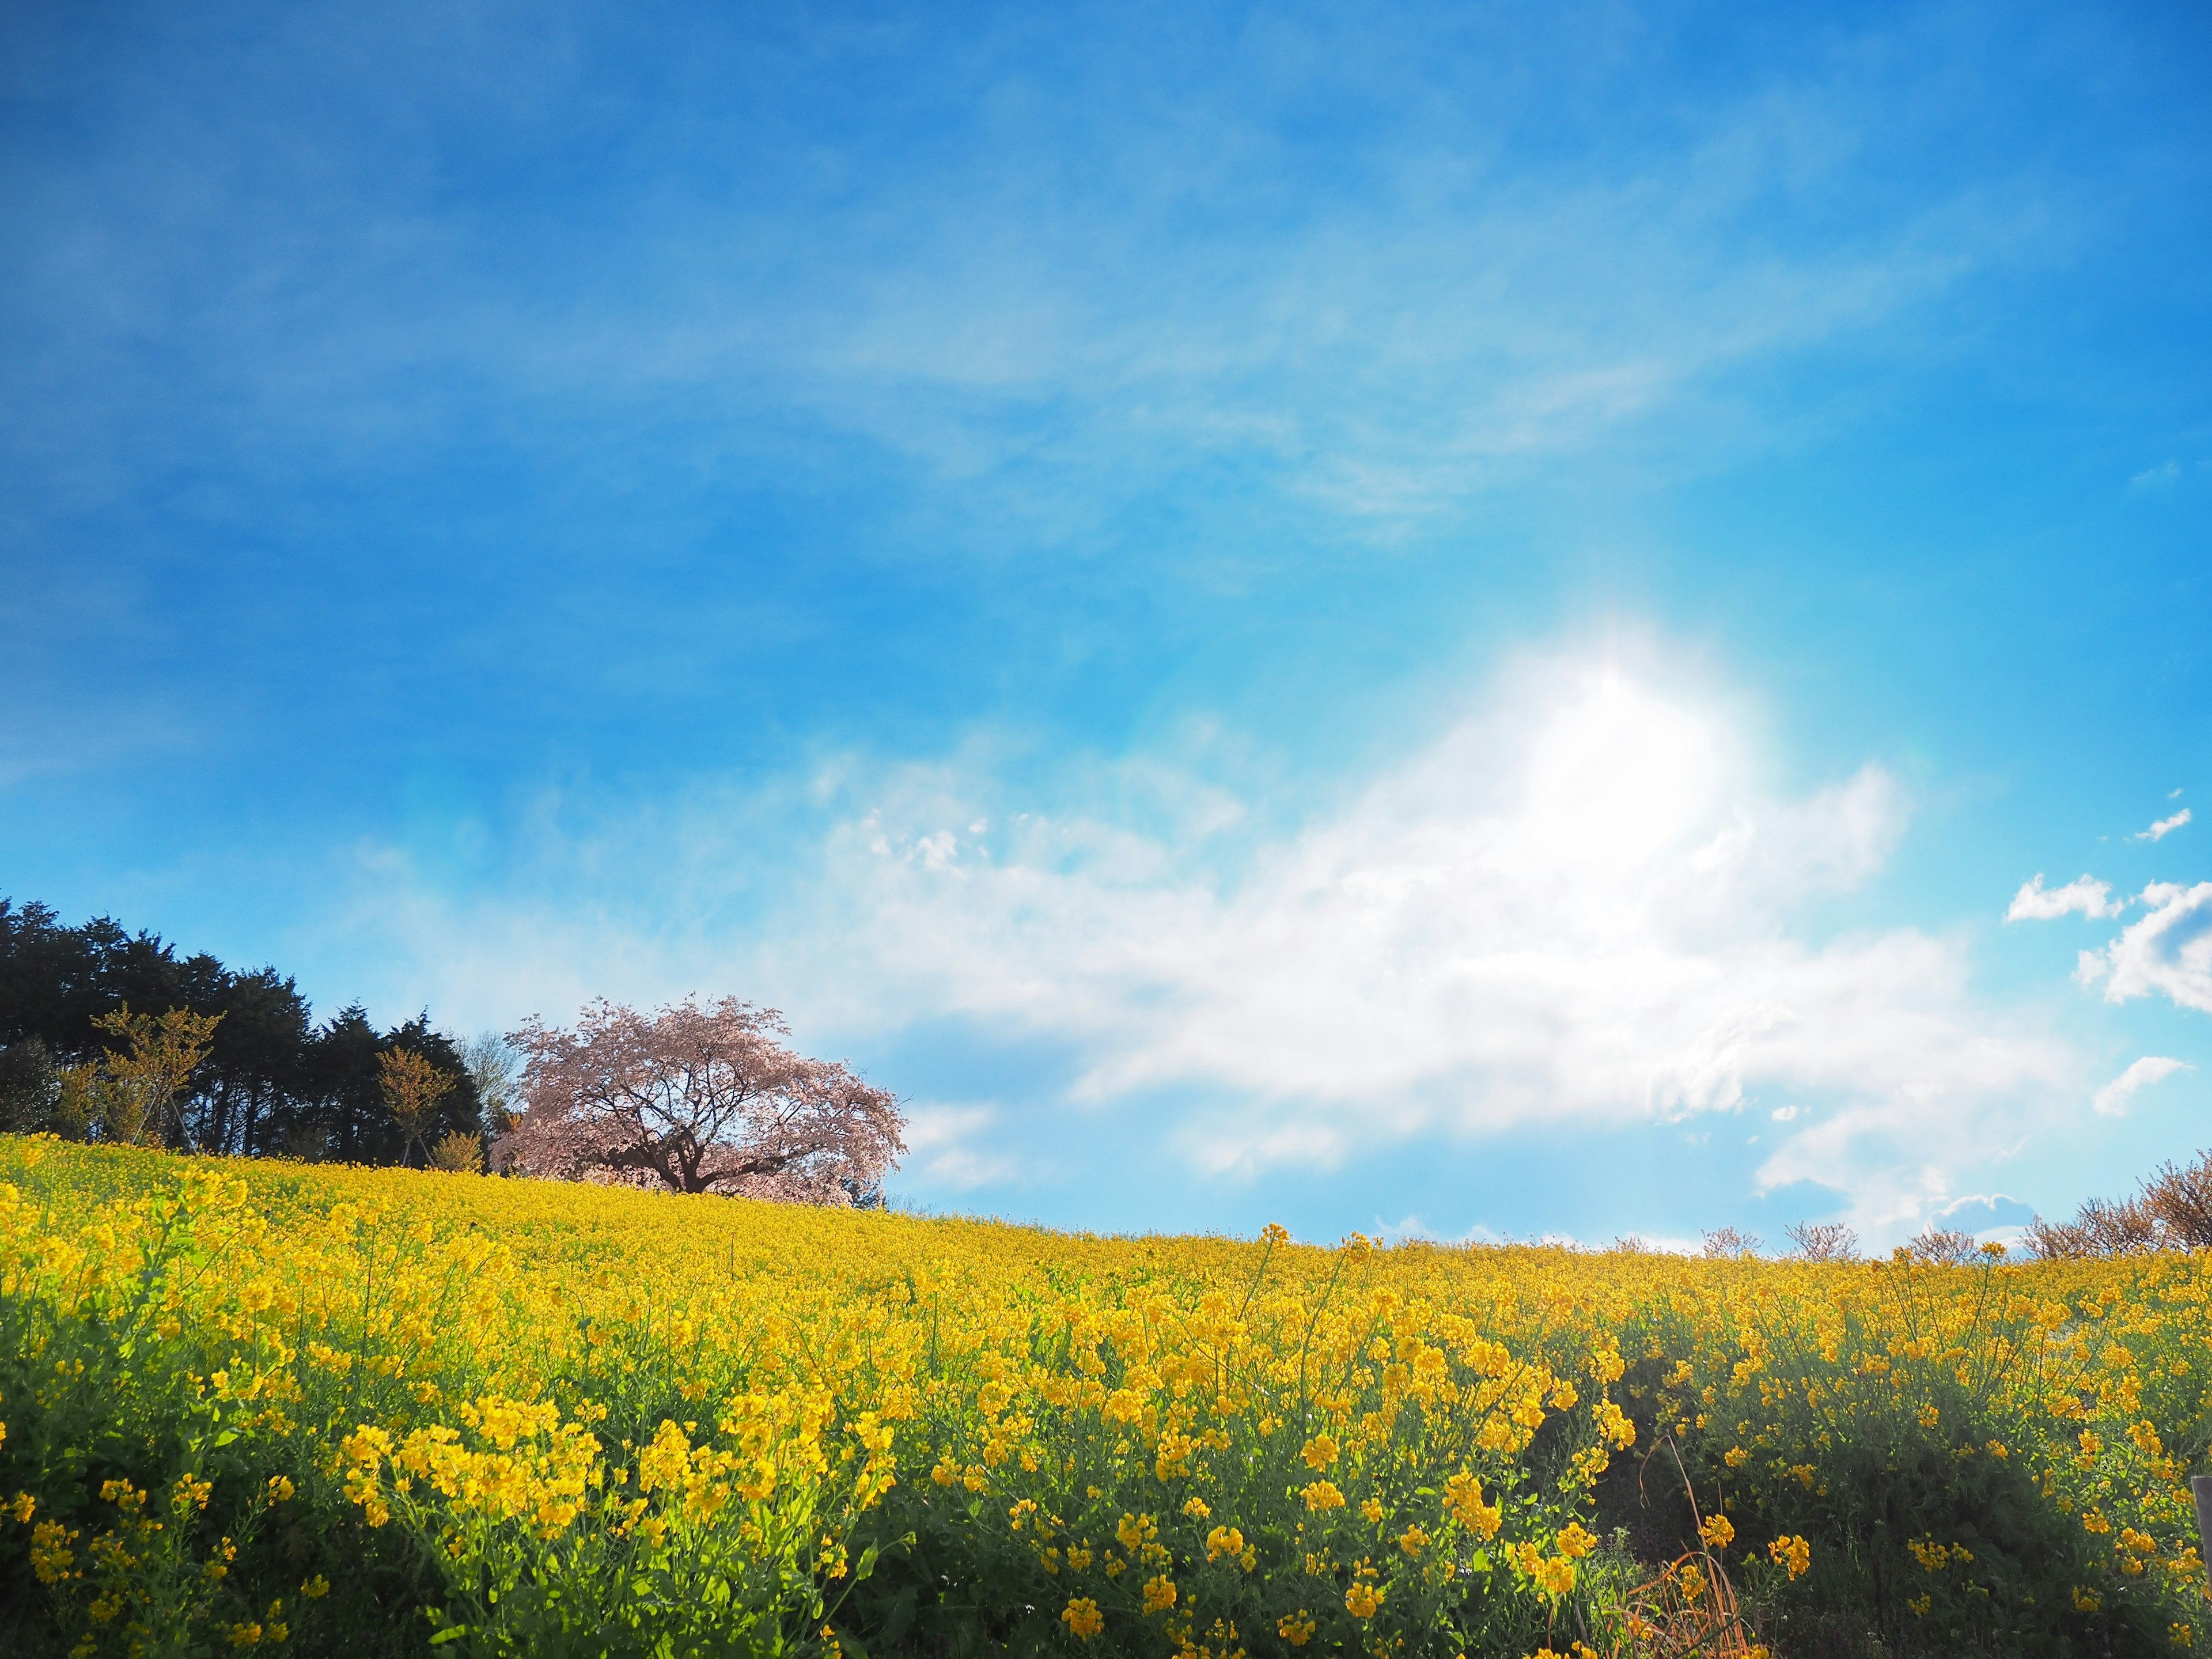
2168	952
1991	1218
2164	827
1573	907
2112	1099
1411	1228
2034	902
941	1143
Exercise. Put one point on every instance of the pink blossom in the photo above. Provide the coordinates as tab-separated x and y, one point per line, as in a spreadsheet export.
696	1100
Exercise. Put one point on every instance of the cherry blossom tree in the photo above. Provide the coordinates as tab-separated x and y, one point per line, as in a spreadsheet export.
696	1100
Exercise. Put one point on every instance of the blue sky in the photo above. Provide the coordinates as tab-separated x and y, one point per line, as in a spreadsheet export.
1459	620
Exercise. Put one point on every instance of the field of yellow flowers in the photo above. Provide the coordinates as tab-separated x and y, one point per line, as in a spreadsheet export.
348	1410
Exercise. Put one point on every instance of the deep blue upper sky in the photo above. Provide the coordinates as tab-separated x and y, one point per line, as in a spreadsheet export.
1441	618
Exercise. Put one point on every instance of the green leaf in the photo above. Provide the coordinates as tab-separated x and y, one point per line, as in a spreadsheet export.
450	1633
900	1616
867	1564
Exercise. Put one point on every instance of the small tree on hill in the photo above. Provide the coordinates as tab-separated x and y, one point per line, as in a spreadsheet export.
493	1067
413	1088
132	1095
696	1100
457	1153
1946	1247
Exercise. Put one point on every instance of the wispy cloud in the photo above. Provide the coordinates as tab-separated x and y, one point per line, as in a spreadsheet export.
1993	1218
2168	474
961	1147
1414	320
2036	903
2112	1100
2164	827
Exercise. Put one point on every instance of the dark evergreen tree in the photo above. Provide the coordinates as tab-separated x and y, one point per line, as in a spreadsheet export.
342	1070
273	1083
30	1087
251	1084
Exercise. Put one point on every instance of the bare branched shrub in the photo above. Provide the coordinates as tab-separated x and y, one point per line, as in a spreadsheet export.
1726	1243
2100	1230
1824	1240
2179	1201
2171	1210
494	1065
1944	1246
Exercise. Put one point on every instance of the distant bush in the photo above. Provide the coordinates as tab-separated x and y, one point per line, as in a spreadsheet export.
1726	1243
1826	1241
2171	1211
1948	1247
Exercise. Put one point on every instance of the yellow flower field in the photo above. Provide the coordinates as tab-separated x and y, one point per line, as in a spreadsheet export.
344	1410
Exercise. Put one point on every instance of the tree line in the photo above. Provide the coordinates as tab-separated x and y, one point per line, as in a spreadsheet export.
110	1034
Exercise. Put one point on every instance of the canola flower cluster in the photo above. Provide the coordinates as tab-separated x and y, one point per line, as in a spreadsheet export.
266	1405
2015	1441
